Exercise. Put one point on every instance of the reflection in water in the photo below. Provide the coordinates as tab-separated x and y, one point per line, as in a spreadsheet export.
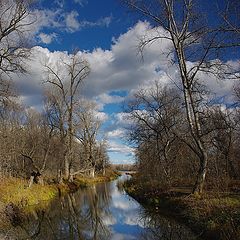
163	228
98	212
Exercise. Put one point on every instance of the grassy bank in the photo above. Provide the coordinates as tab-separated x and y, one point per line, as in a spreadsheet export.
81	181
15	192
212	215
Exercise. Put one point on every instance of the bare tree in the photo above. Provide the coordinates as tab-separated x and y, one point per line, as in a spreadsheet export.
192	41
11	115
102	157
87	127
156	115
231	17
14	22
65	93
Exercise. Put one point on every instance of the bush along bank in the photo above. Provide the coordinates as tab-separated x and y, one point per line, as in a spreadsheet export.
210	216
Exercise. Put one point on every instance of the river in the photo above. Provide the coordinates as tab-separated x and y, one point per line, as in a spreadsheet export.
101	211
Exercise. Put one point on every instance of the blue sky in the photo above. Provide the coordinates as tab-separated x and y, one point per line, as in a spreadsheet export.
107	35
86	25
92	23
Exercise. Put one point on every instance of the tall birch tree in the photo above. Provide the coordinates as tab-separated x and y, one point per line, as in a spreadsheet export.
193	40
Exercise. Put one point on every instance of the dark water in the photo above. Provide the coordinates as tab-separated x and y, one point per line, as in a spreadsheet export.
98	212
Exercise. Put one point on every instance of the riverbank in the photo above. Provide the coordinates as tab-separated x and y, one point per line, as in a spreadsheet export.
84	182
210	216
15	192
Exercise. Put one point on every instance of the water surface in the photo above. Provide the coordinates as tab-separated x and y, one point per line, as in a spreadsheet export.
98	212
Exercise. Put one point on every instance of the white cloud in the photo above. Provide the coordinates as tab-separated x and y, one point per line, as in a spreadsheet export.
120	148
56	19
116	69
44	18
101	22
123	205
119	68
72	22
109	220
117	133
47	38
59	3
81	2
122	119
30	25
120	236
106	98
101	116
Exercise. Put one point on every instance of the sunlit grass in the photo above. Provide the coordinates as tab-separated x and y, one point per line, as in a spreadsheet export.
85	181
16	191
38	197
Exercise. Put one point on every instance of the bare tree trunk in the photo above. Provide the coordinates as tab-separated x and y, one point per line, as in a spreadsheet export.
189	39
103	168
193	120
92	172
200	150
199	184
31	181
60	178
66	167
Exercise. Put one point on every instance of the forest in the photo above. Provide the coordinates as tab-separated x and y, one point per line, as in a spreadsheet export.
64	138
185	139
183	135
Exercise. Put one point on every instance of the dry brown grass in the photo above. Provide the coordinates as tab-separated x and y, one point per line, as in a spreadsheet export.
216	213
16	191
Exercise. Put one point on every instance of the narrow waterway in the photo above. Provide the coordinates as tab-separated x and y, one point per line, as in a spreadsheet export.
98	212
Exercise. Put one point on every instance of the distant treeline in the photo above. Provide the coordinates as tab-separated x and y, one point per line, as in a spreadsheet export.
124	167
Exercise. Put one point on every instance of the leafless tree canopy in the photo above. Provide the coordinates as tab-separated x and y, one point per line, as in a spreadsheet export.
194	39
14	24
179	135
60	141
